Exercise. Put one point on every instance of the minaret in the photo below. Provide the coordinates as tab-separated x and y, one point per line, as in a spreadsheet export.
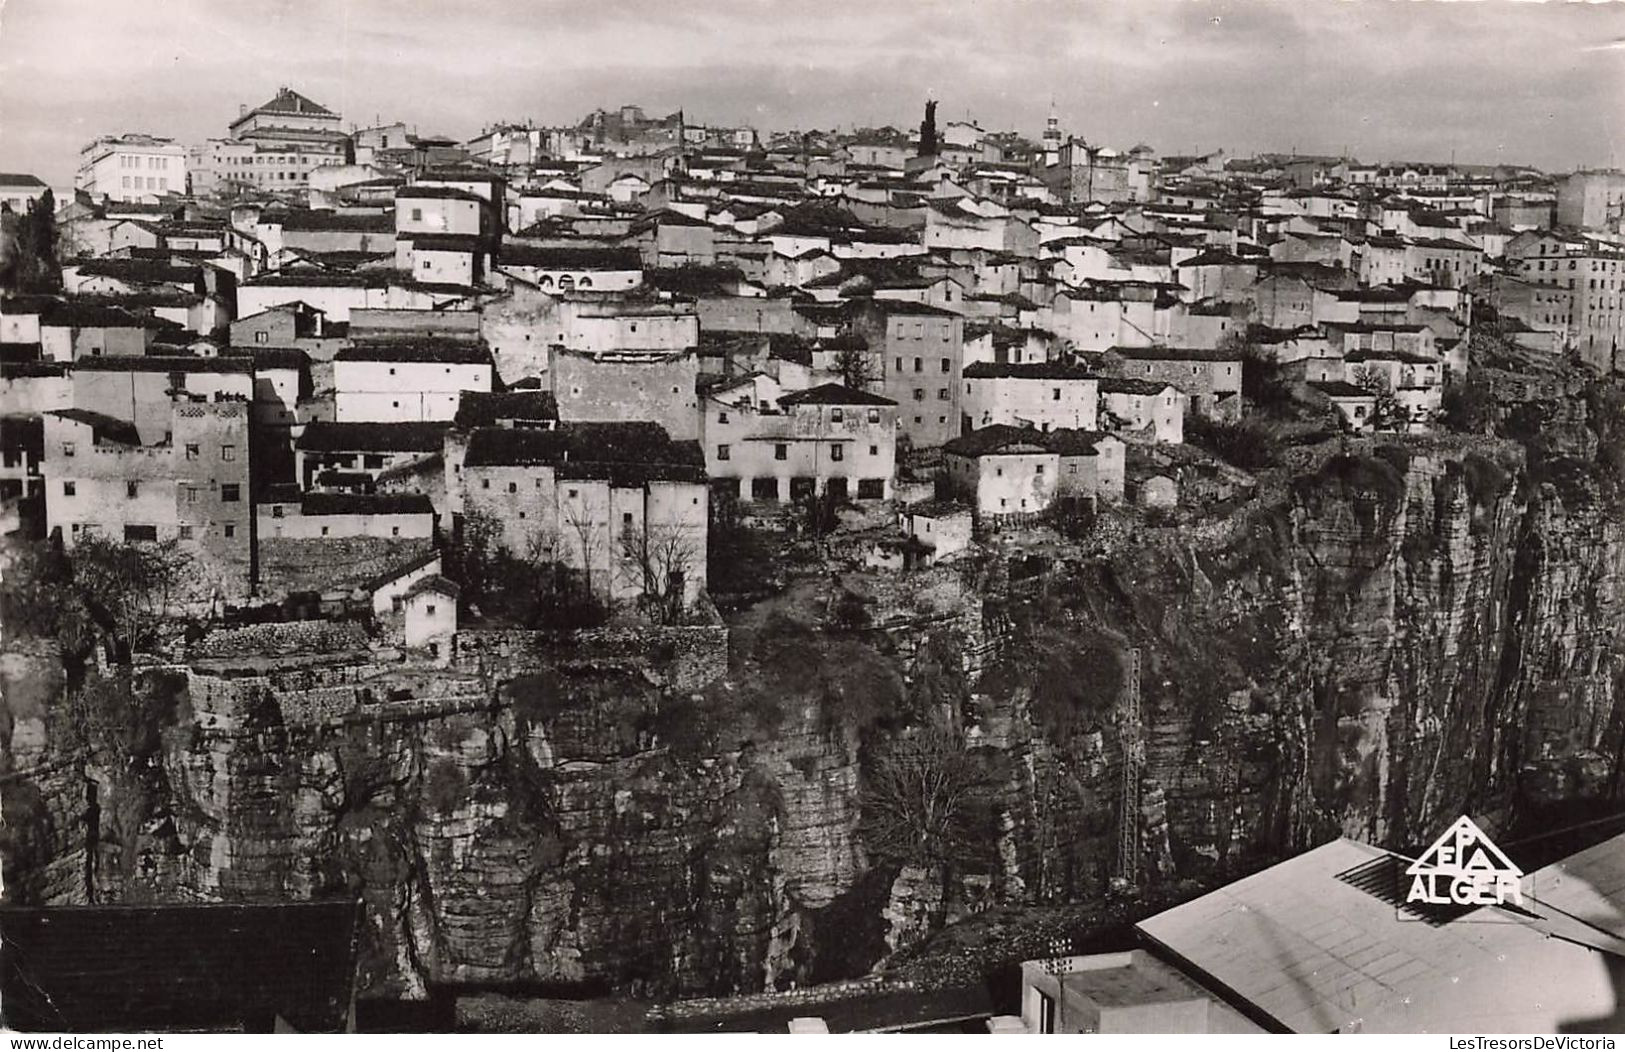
1052	137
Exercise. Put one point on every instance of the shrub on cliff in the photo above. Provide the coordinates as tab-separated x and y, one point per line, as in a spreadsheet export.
1245	444
1468	407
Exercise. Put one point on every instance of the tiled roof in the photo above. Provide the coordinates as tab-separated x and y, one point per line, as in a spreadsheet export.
622	451
423	192
996	438
1026	371
1073	441
571	258
366	504
154	363
179	967
1339	389
486	408
379	223
104	428
1125	385
833	394
1178	354
436	584
19	179
287	100
442	350
407	437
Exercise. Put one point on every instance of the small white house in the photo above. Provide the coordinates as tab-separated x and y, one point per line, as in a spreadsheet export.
431	615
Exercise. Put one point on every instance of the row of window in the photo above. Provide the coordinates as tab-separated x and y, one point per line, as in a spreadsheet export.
919	394
919	365
155	164
837	415
133	182
135	532
768	488
781	451
193	450
230	492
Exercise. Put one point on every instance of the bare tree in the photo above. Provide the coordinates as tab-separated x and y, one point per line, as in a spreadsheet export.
918	799
133	587
1387	414
588	534
659	559
856	367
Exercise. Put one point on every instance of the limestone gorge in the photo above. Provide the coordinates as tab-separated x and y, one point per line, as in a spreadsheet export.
1402	631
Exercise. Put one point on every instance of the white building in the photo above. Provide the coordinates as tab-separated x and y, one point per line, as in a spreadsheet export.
407	379
1043	395
131	167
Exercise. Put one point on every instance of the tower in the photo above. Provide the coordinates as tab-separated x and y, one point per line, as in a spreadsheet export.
1052	137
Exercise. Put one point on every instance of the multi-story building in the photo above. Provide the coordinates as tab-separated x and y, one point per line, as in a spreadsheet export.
1042	395
132	167
1592	200
18	191
628	386
917	352
1210	379
825	439
622	505
193	487
1575	287
407	378
274	146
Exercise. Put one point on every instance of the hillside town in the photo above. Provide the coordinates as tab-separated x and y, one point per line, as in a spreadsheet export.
360	414
312	355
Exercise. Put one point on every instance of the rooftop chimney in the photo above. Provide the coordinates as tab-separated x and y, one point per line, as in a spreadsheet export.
242	109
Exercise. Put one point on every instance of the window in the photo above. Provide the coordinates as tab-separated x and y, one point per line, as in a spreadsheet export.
228	452
394	531
572	494
722	452
837	415
945	366
918	364
874	416
781	451
874	451
837	453
513	487
191	451
276	511
485	483
899	365
231	529
231	493
68	489
871	489
140	533
324	531
417	215
1038	469
132	490
722	418
626	518
186	533
429	609
942	394
67	449
1055	394
192	495
919	394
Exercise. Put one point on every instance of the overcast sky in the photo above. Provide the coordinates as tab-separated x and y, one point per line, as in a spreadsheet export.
1530	83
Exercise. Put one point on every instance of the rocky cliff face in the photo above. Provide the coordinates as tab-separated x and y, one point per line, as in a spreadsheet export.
1400	635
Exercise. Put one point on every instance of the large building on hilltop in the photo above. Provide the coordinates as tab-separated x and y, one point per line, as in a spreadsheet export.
273	146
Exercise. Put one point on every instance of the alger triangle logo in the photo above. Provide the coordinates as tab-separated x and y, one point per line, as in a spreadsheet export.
1464	868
